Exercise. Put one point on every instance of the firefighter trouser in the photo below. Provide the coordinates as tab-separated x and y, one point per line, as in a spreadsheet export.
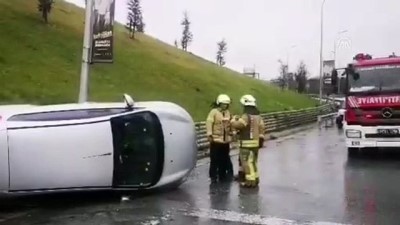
248	159
220	161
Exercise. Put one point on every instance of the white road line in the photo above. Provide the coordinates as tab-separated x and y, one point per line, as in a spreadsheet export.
248	218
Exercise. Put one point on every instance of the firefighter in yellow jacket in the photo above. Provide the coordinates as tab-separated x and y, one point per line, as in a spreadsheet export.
251	138
218	124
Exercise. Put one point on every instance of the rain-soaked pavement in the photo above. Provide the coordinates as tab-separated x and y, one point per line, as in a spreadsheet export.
306	178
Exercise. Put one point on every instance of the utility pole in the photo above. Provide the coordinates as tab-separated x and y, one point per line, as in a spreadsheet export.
84	82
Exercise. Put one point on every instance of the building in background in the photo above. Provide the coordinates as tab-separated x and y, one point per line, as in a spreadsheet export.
251	72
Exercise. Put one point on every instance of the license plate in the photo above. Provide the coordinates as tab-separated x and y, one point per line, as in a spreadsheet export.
388	131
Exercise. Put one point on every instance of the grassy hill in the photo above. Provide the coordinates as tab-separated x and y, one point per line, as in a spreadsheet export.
40	64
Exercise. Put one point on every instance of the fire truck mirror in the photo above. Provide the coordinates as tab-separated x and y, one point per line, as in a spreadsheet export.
334	77
356	76
351	72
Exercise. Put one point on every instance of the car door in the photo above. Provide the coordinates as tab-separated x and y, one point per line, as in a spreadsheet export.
60	150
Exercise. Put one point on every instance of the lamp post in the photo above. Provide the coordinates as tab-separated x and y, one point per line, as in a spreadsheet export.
335	43
334	55
321	52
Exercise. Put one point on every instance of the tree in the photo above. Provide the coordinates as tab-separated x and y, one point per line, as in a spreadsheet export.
176	43
283	78
301	77
45	6
291	81
187	36
135	18
222	48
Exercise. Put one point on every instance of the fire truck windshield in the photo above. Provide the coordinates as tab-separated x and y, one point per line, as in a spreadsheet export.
376	79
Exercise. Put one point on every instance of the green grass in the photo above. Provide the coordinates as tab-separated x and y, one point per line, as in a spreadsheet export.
40	64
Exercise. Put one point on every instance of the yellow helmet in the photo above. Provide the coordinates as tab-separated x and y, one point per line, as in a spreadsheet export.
223	99
248	100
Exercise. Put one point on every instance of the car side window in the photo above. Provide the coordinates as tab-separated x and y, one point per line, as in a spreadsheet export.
67	114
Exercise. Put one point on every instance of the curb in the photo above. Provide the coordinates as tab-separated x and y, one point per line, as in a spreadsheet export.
272	136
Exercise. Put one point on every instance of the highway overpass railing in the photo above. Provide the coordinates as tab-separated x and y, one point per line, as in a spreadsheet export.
274	122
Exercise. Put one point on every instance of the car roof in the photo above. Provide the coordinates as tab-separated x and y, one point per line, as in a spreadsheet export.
7	111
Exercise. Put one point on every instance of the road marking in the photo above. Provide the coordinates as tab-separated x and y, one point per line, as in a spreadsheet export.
248	218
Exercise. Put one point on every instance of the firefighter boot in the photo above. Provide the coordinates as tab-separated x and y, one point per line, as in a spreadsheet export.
241	176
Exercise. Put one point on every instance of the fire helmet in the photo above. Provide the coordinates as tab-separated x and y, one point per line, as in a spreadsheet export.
223	99
248	100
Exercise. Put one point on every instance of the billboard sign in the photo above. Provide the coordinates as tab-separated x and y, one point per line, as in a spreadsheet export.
102	31
328	66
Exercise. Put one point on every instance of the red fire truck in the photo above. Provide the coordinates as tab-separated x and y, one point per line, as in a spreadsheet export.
372	104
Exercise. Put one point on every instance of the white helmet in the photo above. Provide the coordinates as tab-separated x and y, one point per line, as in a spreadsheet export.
223	99
248	100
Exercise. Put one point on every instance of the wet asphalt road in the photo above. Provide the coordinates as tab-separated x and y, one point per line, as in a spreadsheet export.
306	178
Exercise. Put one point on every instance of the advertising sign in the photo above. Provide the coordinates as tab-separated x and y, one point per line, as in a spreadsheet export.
102	31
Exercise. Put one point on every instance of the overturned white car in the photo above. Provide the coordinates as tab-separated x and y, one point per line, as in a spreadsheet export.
121	146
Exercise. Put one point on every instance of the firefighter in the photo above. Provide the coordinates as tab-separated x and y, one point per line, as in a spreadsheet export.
218	124
251	138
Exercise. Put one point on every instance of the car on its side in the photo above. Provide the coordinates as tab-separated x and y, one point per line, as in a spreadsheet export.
95	146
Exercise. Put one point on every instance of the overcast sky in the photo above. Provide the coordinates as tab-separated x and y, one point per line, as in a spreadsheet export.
260	32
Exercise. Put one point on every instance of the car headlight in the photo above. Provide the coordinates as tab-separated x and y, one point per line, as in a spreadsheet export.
353	133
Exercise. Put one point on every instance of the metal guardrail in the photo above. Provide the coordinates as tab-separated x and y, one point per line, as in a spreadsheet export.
328	120
274	122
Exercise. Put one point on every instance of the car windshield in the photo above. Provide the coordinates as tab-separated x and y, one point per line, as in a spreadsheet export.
376	79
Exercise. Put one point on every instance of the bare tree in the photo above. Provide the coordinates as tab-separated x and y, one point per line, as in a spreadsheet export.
222	48
301	77
45	6
134	18
283	75
187	36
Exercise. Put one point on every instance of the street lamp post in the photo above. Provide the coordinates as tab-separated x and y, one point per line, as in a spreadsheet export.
335	43
321	52
334	55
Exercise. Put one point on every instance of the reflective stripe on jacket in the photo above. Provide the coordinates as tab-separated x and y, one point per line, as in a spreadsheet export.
251	128
218	125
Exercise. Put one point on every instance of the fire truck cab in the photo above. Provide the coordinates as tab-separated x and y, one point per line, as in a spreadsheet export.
372	103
